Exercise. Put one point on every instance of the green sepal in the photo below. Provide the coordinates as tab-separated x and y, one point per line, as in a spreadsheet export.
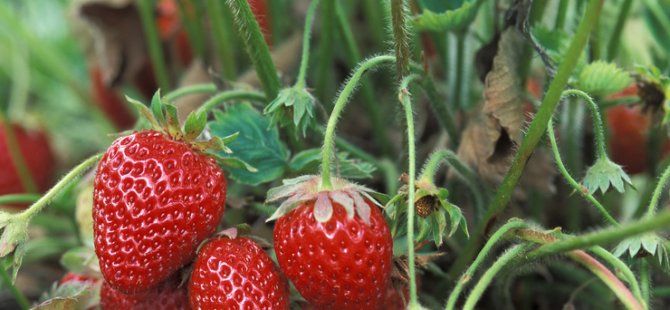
295	100
146	113
439	223
233	162
157	107
194	125
230	138
603	174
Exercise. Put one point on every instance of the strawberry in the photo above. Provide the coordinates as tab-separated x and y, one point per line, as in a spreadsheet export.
110	101
156	197
334	244
235	273
168	296
36	153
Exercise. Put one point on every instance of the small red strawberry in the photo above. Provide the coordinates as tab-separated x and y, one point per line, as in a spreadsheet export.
38	157
168	296
235	273
156	198
334	245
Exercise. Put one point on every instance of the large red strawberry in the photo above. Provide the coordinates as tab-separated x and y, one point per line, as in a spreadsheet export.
36	153
334	245
170	295
155	199
235	273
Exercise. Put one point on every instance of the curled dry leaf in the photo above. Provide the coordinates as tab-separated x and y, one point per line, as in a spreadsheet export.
490	139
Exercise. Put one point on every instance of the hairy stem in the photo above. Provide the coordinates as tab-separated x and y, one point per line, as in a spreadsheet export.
340	103
535	132
469	273
575	185
658	191
597	119
619	265
254	43
64	182
405	100
228	96
492	272
401	37
189	90
147	15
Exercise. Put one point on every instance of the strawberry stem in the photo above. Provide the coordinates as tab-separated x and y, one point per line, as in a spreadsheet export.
340	103
64	182
601	152
662	182
228	96
404	96
189	90
469	273
575	185
304	62
18	198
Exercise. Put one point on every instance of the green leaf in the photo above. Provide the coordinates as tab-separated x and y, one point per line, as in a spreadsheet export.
308	161
448	20
602	78
257	144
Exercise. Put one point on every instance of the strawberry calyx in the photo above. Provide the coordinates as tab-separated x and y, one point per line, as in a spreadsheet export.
307	188
163	118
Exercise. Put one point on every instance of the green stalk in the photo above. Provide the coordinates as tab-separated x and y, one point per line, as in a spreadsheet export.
36	207
601	152
222	37
658	191
613	283
228	96
26	178
469	273
620	266
644	278
18	295
325	58
401	37
18	198
404	96
256	48
353	56
562	14
575	185
614	42
535	132
189	90
572	131
340	103
146	8
304	61
604	236
492	272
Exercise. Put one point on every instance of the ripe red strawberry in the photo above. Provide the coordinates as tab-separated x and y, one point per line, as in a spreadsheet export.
236	274
38	157
155	200
335	245
168	296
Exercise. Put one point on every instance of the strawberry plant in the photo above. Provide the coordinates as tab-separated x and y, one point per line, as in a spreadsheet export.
322	154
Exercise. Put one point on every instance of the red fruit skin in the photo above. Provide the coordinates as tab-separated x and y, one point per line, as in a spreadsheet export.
628	137
37	154
396	299
110	102
341	264
236	274
168	296
154	201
